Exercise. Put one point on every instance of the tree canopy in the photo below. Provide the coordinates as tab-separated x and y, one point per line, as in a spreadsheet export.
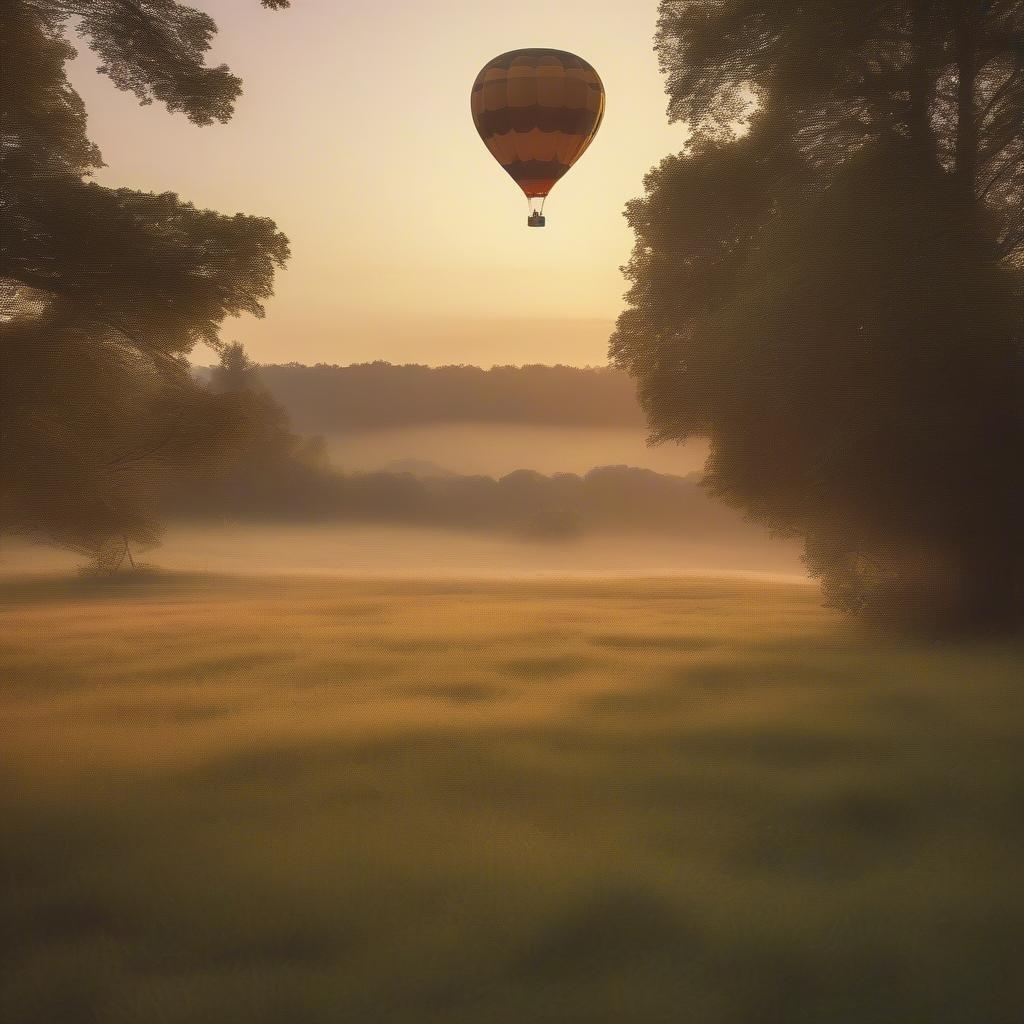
827	283
106	291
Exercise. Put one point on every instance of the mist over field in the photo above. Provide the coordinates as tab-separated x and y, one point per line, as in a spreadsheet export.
368	550
558	480
467	420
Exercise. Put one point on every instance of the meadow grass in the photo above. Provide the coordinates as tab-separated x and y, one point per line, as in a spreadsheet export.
282	801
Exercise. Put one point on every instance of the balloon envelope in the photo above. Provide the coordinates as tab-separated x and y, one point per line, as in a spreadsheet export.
537	111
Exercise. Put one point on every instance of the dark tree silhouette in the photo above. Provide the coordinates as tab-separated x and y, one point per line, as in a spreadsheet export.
235	372
268	467
106	291
829	285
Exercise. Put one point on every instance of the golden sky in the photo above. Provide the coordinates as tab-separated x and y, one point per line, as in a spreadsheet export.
409	242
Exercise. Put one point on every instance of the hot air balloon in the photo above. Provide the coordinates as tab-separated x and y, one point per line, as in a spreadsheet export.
537	111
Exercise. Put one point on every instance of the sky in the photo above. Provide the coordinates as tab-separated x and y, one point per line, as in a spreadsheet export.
409	243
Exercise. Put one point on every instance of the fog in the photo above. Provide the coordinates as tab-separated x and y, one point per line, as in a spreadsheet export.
366	550
496	449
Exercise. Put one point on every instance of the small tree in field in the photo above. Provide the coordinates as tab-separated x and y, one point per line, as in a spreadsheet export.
829	285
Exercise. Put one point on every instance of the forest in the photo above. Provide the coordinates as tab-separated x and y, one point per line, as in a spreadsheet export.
325	399
279	475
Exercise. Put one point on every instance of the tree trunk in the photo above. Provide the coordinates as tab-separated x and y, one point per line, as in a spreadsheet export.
921	82
966	47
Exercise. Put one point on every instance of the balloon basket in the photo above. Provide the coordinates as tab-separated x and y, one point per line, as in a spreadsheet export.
536	220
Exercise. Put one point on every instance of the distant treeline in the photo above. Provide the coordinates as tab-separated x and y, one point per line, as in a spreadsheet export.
526	503
277	475
324	399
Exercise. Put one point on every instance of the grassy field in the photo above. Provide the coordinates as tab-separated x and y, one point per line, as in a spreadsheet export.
296	800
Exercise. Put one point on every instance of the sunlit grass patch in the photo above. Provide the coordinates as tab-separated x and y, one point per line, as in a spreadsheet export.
302	801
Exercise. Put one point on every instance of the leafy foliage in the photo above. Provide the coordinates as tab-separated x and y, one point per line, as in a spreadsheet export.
829	287
106	291
91	428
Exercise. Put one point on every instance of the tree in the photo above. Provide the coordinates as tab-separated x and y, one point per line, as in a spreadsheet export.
106	291
828	283
267	436
235	372
267	469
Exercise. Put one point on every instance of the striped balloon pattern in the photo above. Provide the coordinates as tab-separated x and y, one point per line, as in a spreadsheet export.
537	111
